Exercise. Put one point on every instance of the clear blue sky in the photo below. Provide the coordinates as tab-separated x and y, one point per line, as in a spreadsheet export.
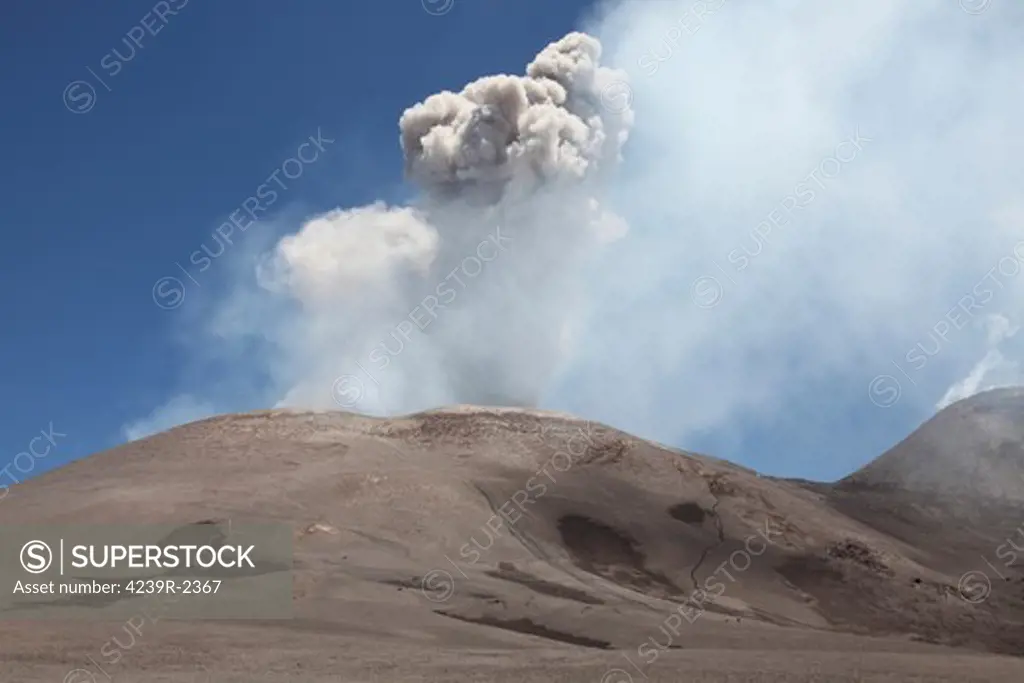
97	206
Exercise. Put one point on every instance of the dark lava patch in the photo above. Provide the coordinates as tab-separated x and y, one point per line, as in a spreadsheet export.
542	586
807	571
857	552
601	550
691	513
530	628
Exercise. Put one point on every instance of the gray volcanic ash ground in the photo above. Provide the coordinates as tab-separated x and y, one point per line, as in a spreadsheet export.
512	545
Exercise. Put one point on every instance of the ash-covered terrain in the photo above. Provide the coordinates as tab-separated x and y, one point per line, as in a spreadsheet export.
505	544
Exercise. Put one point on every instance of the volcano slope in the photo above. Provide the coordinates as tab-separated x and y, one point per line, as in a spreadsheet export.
482	544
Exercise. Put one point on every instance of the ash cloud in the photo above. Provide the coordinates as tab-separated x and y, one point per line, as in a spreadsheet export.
737	103
468	294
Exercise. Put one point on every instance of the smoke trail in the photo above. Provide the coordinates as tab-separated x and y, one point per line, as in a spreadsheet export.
812	190
465	296
820	193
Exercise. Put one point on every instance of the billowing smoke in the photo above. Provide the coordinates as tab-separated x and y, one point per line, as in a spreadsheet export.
468	295
826	212
826	228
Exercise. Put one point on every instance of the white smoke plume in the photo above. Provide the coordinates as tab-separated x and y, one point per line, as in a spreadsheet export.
776	265
466	295
818	194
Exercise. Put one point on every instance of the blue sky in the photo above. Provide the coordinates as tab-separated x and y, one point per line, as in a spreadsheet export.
100	204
